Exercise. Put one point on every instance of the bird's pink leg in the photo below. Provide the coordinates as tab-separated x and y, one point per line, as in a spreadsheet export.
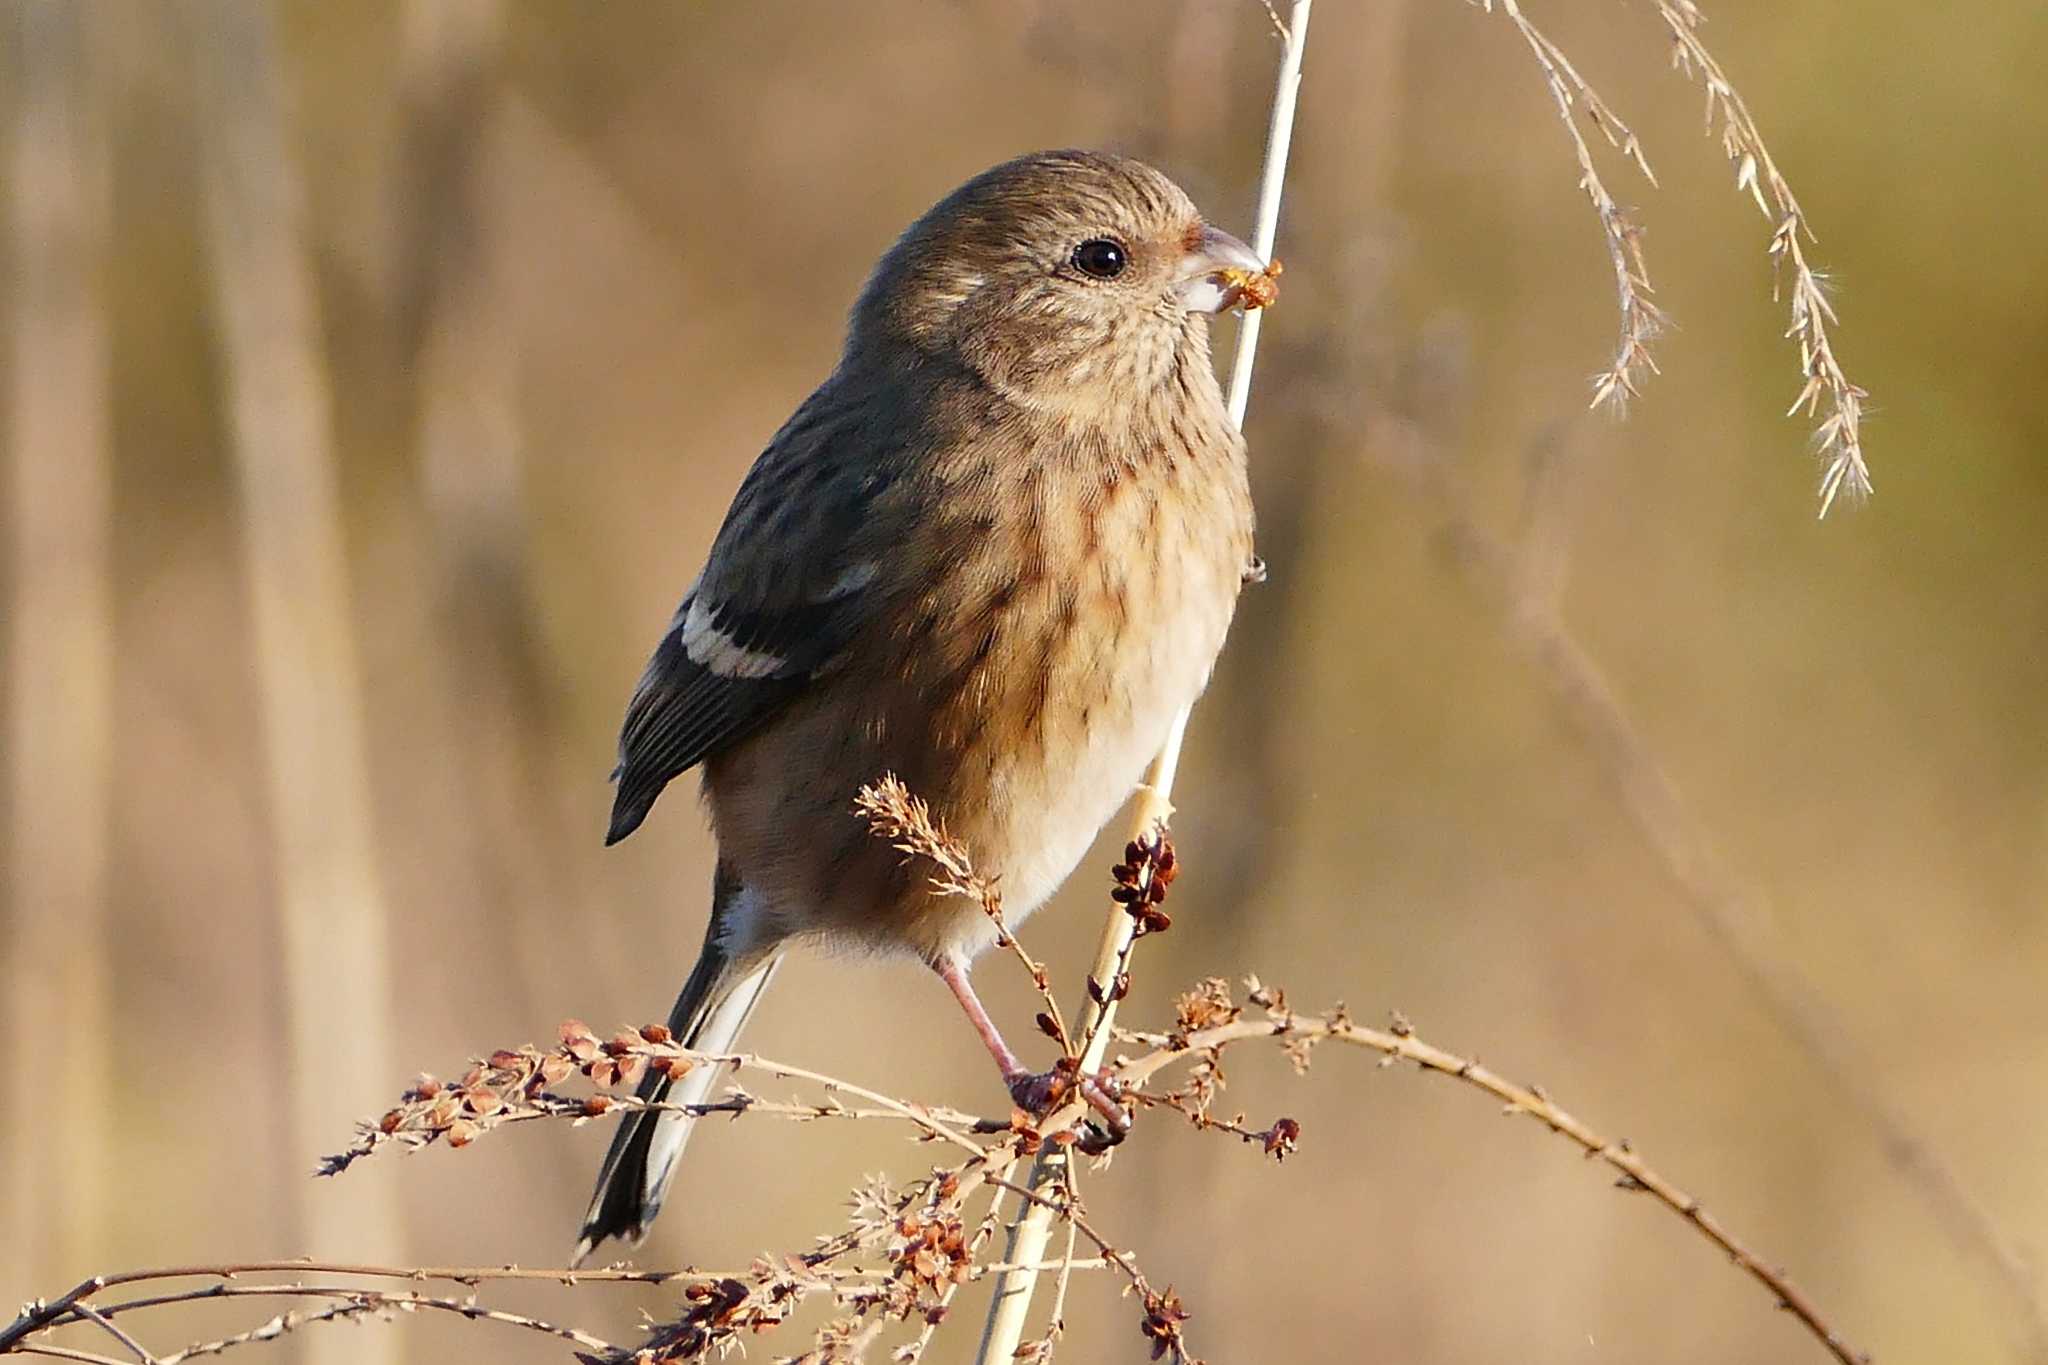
1033	1091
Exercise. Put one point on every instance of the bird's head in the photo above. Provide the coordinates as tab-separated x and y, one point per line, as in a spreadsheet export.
1066	280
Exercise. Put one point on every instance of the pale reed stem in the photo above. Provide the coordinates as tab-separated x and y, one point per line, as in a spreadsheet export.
1033	1228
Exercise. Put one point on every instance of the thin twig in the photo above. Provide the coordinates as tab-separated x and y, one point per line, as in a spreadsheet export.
914	1351
1056	1320
114	1330
288	1321
1641	320
64	1353
509	1086
895	813
1067	1209
72	1305
1400	1043
355	1300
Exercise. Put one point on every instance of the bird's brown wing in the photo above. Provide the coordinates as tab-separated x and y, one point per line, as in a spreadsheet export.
788	584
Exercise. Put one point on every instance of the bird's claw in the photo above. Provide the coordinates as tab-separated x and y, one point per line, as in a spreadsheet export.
1038	1093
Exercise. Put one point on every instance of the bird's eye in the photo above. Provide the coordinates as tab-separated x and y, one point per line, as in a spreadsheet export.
1101	258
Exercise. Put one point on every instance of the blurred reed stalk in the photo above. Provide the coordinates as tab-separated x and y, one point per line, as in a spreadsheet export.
446	300
60	628
1521	583
453	327
1011	1304
336	966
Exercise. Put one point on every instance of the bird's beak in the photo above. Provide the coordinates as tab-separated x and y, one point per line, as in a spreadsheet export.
1213	274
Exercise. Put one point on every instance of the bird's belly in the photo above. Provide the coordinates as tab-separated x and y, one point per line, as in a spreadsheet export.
1057	775
1048	814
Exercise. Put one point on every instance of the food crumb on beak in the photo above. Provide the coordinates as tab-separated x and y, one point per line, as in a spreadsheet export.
1255	289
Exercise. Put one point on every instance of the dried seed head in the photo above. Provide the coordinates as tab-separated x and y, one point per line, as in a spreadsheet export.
1282	1138
1161	1323
578	1042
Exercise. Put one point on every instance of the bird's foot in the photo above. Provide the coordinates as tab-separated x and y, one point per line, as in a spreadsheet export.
1039	1093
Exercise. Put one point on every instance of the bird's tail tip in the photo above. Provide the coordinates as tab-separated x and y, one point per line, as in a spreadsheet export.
627	813
595	1235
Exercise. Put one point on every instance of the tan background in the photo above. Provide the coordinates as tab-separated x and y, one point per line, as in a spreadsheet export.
573	264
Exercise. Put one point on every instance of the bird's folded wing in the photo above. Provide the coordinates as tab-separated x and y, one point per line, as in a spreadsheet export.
788	584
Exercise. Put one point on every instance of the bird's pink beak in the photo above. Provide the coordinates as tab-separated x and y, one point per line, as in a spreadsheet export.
1213	273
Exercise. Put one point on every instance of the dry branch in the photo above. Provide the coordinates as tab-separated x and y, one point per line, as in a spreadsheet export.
905	1251
514	1085
1221	1023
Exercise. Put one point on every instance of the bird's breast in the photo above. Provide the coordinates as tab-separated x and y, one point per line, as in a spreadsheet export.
1062	613
1088	614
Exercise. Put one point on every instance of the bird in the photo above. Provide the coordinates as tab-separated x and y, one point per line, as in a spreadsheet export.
994	554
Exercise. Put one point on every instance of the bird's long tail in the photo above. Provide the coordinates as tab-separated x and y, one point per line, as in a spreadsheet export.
708	1016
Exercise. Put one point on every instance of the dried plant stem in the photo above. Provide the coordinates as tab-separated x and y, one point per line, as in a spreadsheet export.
1641	320
352	1302
1004	1330
1266	223
66	1353
1824	388
1826	393
115	1330
74	1305
1399	1043
512	1087
895	813
913	1247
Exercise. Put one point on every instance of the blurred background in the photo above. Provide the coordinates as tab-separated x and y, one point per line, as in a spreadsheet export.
377	375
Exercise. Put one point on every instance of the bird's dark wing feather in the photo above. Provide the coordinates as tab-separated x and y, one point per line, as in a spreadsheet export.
787	585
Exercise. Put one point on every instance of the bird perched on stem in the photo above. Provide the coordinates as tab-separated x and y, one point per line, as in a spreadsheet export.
995	553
